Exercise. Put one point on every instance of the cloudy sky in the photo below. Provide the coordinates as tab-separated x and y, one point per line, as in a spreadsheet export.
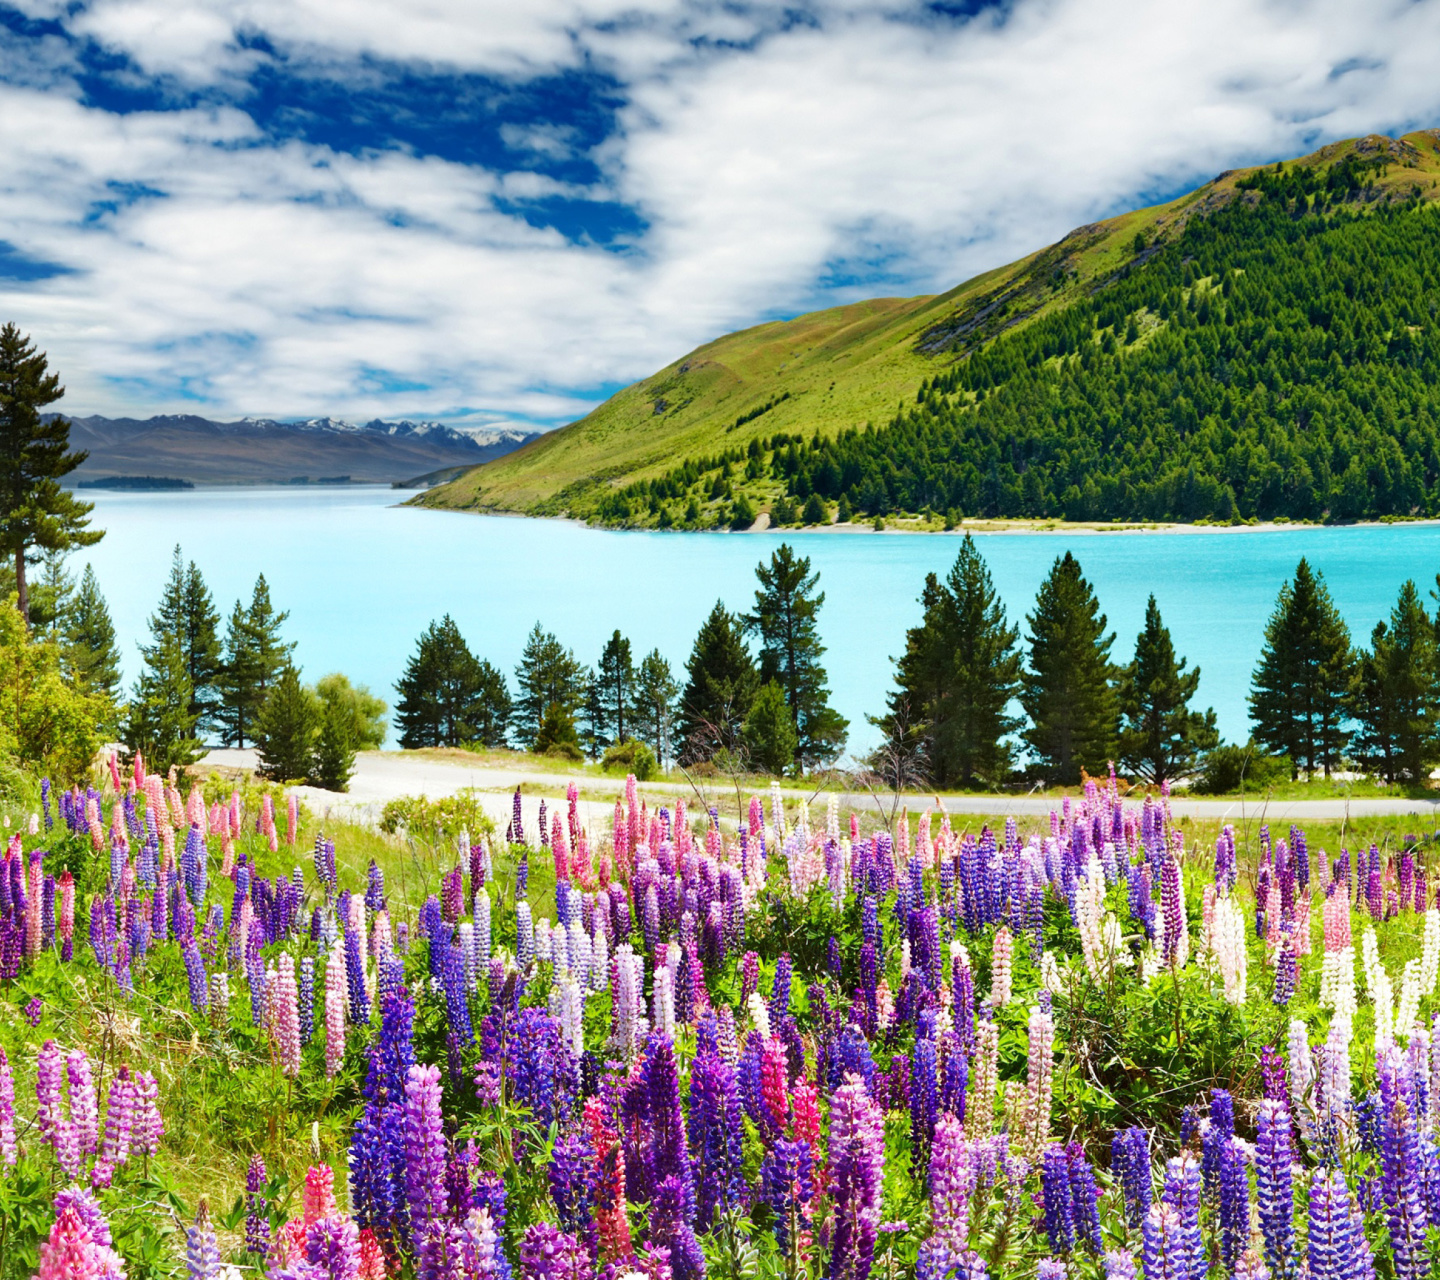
505	209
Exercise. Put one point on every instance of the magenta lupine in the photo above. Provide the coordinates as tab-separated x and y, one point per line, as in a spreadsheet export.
334	1013
287	1018
84	1110
332	1245
119	1119
424	1147
148	1128
49	1074
7	1112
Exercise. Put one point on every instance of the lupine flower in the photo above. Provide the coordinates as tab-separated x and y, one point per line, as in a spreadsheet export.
202	1254
1059	1208
1274	1187
857	1162
1167	1253
72	1251
1403	1190
148	1127
332	1246
7	1112
425	1147
787	1184
1120	1265
1335	1242
1182	1193
257	1208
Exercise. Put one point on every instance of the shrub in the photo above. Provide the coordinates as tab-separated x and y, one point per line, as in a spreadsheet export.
631	756
743	515
444	818
815	510
1231	767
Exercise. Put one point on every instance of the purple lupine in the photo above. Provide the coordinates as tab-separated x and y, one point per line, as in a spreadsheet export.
1171	906
1234	1202
307	999
1165	1250
1286	971
1059	1207
1130	1162
1274	1159
787	1185
857	1161
1120	1265
547	1253
202	1253
1217	1133
425	1148
195	973
1084	1199
716	1129
1336	1241
257	1208
359	998
1182	1193
1272	1076
1402	1188
670	1229
924	1102
332	1247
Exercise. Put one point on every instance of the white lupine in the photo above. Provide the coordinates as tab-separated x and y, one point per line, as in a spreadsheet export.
1384	1001
467	954
664	1000
572	1015
600	961
1435	1076
1370	960
759	1014
1430	953
1231	957
1335	1064
1329	978
1346	996
1302	1076
1000	967
1409	1007
482	929
1089	908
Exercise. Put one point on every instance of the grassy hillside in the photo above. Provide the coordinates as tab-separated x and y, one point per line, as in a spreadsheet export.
761	419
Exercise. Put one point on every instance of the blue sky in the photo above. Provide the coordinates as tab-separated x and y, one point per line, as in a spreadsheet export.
500	212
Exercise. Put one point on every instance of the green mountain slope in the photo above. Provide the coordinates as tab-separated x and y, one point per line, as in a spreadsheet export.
1266	345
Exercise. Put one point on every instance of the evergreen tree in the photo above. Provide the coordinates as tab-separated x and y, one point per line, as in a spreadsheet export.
595	716
556	734
52	597
548	673
1298	692
255	656
955	680
159	722
35	511
448	697
721	684
786	607
1395	697
287	728
187	612
769	732
615	690
1067	690
92	657
655	693
334	760
1160	737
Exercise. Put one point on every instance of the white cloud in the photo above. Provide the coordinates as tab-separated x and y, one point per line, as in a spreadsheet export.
763	155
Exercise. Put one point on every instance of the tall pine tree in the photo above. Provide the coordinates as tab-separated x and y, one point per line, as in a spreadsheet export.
1066	690
448	697
614	691
1395	697
255	655
955	680
92	657
655	693
1299	689
1161	739
287	728
36	513
159	722
722	682
786	609
548	674
187	613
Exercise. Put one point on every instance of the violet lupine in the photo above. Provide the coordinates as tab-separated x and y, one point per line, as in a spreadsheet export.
1120	1265
715	1128
1130	1162
49	1073
1335	1241
148	1128
1403	1190
1059	1208
425	1148
547	1253
257	1208
119	1120
787	1186
1166	1252
1274	1160
84	1109
857	1163
1182	1193
7	1112
332	1247
202	1253
1234	1202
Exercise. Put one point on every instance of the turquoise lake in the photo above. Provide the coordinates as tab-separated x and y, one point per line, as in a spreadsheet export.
362	577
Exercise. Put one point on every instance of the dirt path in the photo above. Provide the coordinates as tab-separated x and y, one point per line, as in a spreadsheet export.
381	776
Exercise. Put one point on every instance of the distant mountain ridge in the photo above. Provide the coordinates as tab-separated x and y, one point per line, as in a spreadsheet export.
270	451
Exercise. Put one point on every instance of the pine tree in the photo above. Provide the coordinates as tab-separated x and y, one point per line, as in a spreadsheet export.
1395	696
769	731
448	697
1160	737
333	764
1298	692
159	723
287	728
92	658
786	608
955	680
548	673
721	685
615	690
255	656
1066	690
187	612
655	693
52	597
35	511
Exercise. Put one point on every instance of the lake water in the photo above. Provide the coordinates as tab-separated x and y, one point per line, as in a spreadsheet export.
362	577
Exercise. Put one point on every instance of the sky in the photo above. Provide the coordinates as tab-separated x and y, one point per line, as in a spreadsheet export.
501	211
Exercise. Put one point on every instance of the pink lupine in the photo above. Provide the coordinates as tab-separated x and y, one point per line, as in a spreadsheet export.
334	1013
49	1072
71	1252
7	1111
319	1198
287	1018
84	1110
147	1127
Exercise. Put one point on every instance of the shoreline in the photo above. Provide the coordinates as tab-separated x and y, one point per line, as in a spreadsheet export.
979	526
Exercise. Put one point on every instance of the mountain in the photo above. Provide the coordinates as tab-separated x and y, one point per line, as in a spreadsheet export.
262	450
1265	346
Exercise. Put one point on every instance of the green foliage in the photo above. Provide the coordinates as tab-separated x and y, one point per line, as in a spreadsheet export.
1160	737
439	820
722	682
287	728
742	514
448	697
955	680
1298	692
36	513
1230	768
159	722
1066	690
815	511
631	756
787	606
557	734
364	712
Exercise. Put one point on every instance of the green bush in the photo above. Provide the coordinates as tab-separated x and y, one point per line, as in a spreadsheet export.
1231	767
631	756
438	819
743	515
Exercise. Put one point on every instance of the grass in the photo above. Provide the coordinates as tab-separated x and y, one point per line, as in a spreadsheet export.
821	372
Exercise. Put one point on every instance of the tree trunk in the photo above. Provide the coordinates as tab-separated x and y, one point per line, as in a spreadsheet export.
21	587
